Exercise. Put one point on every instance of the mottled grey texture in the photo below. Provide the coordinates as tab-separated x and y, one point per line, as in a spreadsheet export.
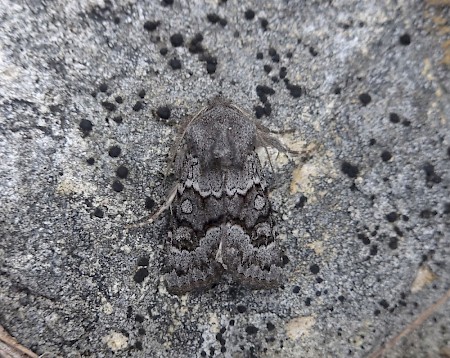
359	88
221	219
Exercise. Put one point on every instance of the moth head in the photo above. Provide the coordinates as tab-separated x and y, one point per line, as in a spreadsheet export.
221	137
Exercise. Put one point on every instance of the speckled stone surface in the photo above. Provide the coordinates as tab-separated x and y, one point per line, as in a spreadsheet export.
91	92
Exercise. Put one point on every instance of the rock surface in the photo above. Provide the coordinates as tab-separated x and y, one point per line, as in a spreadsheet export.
90	92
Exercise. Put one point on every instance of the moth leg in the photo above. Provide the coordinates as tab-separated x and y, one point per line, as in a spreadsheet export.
152	217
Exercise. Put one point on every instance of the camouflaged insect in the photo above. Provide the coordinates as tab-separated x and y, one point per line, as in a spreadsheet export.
221	216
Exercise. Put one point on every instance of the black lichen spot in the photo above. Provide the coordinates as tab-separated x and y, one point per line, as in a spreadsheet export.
406	123
175	64
262	89
393	243
233	292
392	217
109	106
138	106
122	172
249	14
398	231
394	118
163	112
386	156
308	301
294	90
341	299
313	51
138	345
259	111
264	23
143	261
223	22
319	279
241	308
176	40
163	51
114	151
251	329
383	303
318	293
314	269
90	161
296	289
377	312
99	213
267	68
141	331
259	56
103	87
220	339
262	97
446	210
117	186
167	2
337	90
195	45
405	39
213	18
270	326
365	99
140	274
365	240
372	141
427	213
86	125
141	93
349	169
373	250
149	203
118	119
151	25
129	314
211	64
283	72
301	202
431	176
285	260
118	99
139	318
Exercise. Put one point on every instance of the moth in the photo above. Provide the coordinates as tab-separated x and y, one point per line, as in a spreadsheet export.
221	218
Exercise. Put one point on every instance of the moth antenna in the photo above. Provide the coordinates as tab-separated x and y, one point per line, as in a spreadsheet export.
265	148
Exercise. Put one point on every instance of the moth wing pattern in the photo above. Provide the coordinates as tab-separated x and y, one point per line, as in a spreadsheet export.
221	216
